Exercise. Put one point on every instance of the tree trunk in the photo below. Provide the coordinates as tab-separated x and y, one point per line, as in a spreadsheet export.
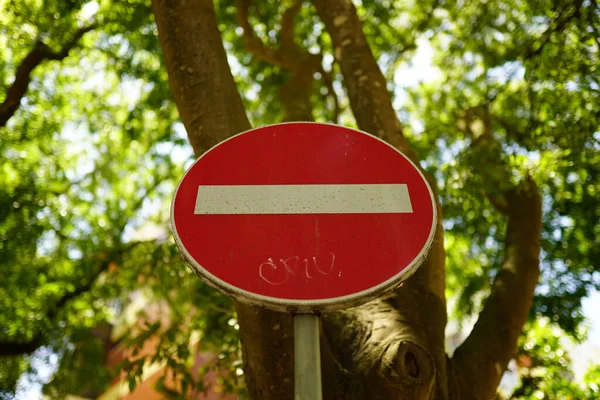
389	348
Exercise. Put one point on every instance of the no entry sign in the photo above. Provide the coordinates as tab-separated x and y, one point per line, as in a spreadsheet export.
303	217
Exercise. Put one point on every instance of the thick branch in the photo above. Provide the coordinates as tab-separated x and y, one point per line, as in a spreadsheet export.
14	348
199	76
212	110
369	98
297	91
35	57
381	356
483	357
421	301
268	350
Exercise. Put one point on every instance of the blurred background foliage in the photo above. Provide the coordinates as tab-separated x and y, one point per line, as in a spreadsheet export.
89	162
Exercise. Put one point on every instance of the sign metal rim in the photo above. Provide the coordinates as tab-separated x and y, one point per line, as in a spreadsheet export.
299	305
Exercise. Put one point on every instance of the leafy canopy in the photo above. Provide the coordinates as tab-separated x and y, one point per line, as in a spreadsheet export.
90	159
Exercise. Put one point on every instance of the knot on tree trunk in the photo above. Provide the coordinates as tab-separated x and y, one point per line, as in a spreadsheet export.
411	363
408	371
378	358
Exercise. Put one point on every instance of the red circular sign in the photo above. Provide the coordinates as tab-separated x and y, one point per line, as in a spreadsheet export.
303	217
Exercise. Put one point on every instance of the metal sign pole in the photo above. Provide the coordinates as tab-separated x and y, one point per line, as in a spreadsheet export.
307	357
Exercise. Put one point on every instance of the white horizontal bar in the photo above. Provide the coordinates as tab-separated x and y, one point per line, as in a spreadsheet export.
303	199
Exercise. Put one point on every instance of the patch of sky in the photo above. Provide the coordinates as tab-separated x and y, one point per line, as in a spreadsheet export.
571	86
503	74
95	82
473	66
47	243
74	253
78	146
419	69
327	61
129	93
572	177
450	153
234	64
141	227
533	157
589	352
178	154
182	154
594	142
448	224
556	277
89	10
43	365
252	92
490	243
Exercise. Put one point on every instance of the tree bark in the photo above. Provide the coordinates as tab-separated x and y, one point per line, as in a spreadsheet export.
420	303
199	75
297	91
389	348
211	110
483	357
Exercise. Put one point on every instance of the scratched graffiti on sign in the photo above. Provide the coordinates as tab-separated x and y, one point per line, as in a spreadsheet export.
279	272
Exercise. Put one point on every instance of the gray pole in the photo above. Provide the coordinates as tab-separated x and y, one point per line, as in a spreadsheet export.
307	357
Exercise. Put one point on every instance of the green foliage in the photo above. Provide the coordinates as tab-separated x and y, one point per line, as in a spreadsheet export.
527	73
544	367
84	353
89	162
10	372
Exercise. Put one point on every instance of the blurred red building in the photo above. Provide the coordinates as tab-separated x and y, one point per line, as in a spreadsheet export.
152	373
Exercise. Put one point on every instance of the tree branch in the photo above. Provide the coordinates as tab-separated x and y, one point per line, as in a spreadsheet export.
16	347
252	42
421	301
39	53
212	110
483	357
287	25
328	81
210	106
369	98
297	91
